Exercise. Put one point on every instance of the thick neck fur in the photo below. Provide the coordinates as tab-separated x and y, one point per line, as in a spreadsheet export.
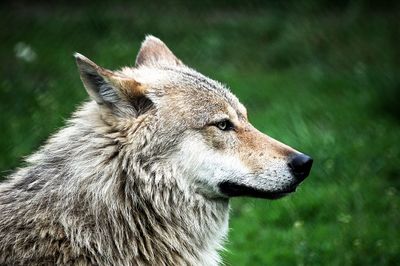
97	194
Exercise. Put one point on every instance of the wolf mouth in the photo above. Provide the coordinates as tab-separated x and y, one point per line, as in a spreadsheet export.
232	189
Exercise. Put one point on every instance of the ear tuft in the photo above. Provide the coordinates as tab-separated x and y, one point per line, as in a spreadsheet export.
154	52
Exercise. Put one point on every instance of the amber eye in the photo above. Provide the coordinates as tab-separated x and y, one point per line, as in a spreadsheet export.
224	125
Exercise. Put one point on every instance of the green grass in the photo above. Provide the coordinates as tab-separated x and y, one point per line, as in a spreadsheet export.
326	83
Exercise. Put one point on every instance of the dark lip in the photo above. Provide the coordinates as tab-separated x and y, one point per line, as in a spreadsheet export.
231	189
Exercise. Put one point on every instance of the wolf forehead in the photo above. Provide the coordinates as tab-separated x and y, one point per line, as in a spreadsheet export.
186	88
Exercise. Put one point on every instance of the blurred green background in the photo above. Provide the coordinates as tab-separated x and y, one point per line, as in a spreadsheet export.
322	76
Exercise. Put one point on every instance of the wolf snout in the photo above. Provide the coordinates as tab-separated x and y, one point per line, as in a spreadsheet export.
300	166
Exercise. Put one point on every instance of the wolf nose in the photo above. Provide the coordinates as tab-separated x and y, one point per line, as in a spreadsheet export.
300	166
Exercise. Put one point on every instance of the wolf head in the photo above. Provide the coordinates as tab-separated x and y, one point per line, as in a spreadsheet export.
192	123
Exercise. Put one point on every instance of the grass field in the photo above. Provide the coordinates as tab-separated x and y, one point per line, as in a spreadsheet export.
323	80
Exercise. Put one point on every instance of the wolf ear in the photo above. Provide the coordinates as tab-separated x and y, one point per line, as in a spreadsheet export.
108	88
154	52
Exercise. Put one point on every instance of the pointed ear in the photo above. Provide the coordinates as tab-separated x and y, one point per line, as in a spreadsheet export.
96	81
109	88
154	52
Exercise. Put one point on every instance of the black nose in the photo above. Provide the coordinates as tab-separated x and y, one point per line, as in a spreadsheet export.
300	166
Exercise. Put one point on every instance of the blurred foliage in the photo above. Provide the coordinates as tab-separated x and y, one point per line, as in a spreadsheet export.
322	76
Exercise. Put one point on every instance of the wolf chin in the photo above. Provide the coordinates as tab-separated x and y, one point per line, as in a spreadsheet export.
142	173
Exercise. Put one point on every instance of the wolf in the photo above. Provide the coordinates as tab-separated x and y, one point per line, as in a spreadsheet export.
143	172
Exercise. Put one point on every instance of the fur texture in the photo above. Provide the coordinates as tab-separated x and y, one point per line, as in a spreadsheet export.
134	177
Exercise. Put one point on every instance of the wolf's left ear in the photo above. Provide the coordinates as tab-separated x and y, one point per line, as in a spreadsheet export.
154	52
110	89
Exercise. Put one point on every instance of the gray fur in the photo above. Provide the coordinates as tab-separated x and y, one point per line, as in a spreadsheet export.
87	198
101	194
132	178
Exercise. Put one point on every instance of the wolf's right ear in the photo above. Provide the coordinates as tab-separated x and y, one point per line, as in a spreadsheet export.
109	88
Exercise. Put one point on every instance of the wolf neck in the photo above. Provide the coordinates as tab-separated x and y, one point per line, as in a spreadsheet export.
160	224
138	213
172	226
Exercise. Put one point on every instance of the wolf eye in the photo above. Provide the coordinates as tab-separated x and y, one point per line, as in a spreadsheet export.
225	125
